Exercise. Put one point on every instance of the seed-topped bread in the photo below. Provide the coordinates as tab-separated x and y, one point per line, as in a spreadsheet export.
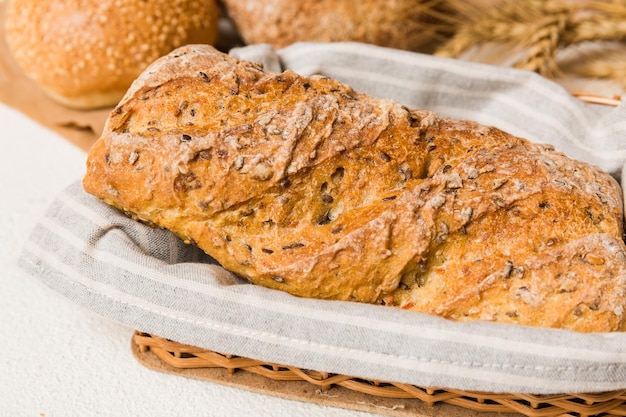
304	185
86	53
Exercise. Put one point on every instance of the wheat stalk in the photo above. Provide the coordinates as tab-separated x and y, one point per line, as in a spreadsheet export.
542	45
608	63
537	28
430	19
597	28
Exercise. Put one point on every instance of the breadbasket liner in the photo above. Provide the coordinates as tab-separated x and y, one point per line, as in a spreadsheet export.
149	280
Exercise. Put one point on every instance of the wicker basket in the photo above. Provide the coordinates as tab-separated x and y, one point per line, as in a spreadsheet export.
181	356
591	98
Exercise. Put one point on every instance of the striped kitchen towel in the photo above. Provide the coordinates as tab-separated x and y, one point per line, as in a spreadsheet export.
149	280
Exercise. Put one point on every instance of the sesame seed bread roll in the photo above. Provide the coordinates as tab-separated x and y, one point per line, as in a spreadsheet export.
304	185
402	24
85	53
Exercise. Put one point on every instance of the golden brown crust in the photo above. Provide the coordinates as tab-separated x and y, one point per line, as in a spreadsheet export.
86	53
412	25
304	185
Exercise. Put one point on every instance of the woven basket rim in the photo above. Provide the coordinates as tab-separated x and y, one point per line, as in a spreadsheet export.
592	98
183	356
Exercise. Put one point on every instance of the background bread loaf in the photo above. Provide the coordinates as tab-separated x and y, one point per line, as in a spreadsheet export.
304	185
86	53
412	25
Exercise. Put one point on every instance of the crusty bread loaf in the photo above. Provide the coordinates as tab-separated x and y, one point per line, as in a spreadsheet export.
86	53
403	24
307	186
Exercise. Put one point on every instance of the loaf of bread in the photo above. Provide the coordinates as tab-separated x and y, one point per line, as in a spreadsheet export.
403	24
85	54
304	185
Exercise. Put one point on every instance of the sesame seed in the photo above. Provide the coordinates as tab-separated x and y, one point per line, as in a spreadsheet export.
133	157
293	246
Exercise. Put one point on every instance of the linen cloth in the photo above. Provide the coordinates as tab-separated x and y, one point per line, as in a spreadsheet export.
148	279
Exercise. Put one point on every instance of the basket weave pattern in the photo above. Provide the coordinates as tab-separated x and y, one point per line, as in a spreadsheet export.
182	356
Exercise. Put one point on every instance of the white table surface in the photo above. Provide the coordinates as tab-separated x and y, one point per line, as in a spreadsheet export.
57	359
